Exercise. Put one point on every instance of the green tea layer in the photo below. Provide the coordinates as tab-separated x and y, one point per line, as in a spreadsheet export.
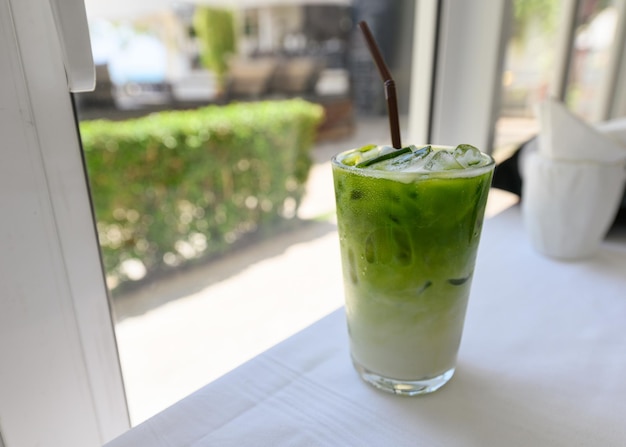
408	252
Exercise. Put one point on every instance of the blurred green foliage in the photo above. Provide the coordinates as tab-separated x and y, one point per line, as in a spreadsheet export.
544	13
215	30
176	186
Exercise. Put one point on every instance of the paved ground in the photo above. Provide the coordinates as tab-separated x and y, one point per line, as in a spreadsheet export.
179	335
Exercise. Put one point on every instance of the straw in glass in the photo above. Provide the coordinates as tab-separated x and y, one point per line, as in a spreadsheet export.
389	83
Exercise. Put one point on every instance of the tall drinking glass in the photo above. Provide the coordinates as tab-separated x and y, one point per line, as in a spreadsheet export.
409	225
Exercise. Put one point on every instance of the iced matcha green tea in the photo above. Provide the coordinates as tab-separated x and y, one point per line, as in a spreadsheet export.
409	225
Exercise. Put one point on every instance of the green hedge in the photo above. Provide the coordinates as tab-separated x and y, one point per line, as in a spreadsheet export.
176	186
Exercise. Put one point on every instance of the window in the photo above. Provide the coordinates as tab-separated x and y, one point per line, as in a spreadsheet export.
42	176
571	50
186	315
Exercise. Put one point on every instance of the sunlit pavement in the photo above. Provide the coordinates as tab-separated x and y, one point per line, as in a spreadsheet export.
177	336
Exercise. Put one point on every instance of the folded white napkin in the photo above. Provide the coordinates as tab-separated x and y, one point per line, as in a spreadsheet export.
564	136
573	183
615	129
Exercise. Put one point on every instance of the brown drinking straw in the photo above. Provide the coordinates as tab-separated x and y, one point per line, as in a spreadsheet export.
390	85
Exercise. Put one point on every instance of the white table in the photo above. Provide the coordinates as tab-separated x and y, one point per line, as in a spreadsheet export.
542	363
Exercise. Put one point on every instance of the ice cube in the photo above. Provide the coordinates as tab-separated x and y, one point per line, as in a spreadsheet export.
385	161
420	152
412	161
380	151
412	158
386	245
399	163
352	159
357	156
402	159
442	160
371	154
420	157
396	159
467	155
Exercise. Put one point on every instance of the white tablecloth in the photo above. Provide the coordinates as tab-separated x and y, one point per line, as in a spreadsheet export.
542	363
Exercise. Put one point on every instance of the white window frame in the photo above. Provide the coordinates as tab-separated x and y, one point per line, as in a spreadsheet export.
457	70
613	92
458	56
612	97
60	379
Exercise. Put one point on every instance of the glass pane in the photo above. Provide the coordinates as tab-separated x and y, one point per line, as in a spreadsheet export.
217	227
529	64
594	37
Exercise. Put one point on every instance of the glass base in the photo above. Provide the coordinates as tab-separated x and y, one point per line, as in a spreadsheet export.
404	387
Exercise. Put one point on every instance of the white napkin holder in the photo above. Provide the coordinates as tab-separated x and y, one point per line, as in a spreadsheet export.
572	185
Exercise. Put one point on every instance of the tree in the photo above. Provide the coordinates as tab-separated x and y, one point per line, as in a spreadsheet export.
215	31
543	12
